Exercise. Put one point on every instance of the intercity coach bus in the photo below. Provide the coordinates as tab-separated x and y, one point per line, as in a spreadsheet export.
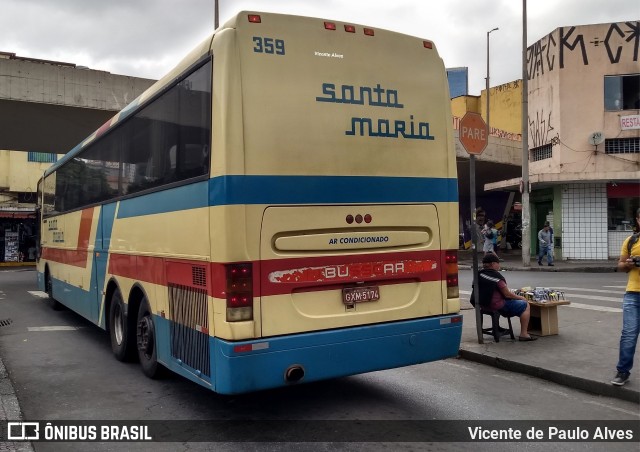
281	208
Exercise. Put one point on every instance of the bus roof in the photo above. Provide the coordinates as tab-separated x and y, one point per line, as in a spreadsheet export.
239	22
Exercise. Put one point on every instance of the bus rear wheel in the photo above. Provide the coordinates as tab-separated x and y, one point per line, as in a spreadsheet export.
48	284
146	341
122	340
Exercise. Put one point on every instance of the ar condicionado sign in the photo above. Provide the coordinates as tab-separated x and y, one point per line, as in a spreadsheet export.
472	132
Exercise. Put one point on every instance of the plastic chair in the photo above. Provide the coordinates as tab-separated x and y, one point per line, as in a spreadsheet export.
496	330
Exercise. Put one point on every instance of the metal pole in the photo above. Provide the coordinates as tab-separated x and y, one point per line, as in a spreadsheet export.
487	80
474	244
217	13
526	226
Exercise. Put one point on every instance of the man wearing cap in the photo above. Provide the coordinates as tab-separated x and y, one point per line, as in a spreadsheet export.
495	295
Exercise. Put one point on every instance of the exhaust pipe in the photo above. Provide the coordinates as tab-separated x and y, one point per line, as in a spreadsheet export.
294	374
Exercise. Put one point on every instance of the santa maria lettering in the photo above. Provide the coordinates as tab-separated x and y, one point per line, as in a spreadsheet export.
376	96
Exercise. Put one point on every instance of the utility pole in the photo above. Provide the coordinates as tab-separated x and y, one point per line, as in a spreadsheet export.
526	224
217	13
488	85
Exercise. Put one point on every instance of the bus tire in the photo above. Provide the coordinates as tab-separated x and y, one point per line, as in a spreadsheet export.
146	342
122	340
48	284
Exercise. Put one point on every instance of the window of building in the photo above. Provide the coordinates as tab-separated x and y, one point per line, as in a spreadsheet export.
622	146
621	213
621	92
541	152
42	157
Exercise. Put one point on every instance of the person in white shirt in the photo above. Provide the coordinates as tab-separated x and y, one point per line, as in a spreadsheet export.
545	240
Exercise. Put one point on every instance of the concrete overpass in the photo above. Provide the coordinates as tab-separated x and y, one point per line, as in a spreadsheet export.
502	159
50	106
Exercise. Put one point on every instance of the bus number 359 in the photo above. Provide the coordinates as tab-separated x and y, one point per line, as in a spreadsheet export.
268	45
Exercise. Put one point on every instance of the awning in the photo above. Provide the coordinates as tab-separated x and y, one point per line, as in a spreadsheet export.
17	215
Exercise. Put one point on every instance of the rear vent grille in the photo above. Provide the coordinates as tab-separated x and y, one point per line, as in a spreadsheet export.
199	276
190	326
6	322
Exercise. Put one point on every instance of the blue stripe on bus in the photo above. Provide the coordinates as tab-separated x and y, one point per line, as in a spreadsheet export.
186	197
333	353
100	259
323	354
275	190
226	190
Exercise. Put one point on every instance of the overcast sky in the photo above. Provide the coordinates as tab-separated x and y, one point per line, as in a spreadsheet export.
146	38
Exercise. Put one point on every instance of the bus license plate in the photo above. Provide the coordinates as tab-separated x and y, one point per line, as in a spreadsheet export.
351	295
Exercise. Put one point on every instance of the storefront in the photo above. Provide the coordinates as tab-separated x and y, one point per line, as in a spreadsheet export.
623	201
17	235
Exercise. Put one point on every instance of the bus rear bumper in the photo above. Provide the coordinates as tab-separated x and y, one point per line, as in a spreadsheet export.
254	365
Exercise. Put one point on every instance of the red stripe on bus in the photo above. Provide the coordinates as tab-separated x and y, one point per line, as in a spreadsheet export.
77	257
86	220
141	268
283	276
422	266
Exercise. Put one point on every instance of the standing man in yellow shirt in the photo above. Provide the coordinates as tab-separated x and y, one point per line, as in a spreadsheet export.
629	263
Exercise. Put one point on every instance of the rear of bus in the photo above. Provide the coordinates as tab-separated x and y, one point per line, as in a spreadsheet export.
334	204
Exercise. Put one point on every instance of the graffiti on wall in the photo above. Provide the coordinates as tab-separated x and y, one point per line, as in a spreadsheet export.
621	40
540	129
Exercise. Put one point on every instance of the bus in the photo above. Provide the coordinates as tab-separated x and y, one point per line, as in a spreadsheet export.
281	208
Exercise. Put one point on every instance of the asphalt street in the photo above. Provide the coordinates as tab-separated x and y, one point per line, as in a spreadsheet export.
61	367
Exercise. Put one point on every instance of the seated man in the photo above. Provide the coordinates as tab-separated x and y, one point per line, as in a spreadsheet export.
495	295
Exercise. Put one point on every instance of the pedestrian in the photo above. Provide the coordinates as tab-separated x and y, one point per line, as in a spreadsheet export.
489	233
545	241
31	251
494	295
629	263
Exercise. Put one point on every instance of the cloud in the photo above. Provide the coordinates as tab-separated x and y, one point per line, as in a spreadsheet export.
146	38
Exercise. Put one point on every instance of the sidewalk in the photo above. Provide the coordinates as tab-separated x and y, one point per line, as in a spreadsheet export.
582	356
512	260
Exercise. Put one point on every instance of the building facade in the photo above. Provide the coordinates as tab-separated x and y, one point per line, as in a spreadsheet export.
584	137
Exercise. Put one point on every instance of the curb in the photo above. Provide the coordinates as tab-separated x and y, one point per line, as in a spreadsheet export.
582	384
554	269
10	410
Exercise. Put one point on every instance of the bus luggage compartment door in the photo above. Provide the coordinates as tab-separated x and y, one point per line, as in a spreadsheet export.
325	267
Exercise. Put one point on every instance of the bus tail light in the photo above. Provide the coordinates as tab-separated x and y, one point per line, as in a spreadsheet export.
255	18
369	32
239	289
451	266
428	44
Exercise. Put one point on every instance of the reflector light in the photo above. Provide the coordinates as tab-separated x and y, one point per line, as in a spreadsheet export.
367	218
358	218
329	25
349	219
457	319
428	44
251	347
368	31
242	348
254	19
350	28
